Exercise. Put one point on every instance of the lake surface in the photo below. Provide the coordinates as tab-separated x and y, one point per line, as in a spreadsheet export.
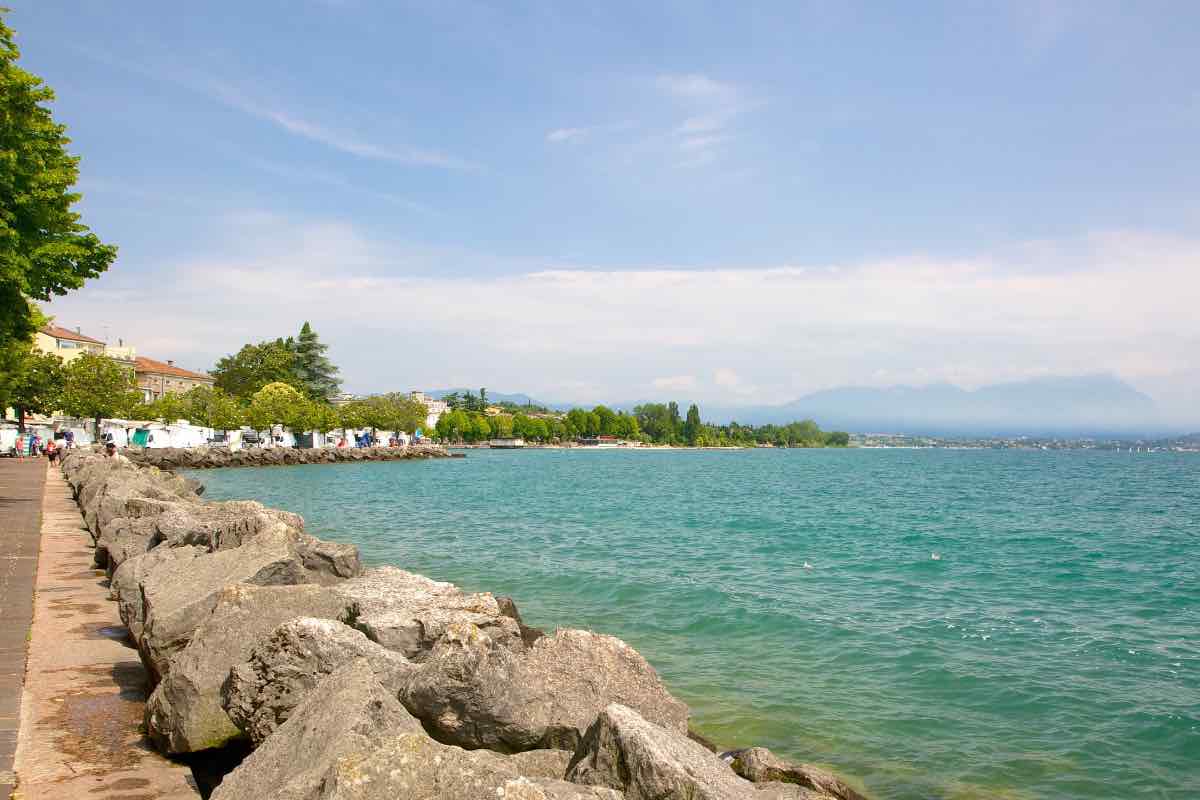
791	598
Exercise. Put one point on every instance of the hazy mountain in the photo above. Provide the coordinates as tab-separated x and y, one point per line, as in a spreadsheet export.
1069	405
1093	403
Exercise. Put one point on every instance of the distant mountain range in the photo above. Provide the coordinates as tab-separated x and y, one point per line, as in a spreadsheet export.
1094	403
1068	405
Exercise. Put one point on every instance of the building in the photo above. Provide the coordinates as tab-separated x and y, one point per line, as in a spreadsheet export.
158	378
434	408
69	344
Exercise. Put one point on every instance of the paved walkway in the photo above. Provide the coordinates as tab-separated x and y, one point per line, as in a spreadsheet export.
20	530
85	691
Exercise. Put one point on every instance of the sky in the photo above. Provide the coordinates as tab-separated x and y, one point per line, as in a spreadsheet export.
726	203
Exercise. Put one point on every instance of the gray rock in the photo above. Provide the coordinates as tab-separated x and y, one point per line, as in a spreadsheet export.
508	607
347	714
184	714
474	693
760	765
118	493
178	596
625	752
330	562
124	539
414	766
260	694
223	525
541	763
408	613
126	584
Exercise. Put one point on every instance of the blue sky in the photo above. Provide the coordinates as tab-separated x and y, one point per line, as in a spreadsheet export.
740	203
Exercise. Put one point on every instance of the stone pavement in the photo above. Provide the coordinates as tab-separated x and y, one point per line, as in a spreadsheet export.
20	530
85	688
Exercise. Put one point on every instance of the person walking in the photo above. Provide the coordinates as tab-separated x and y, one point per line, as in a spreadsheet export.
20	447
51	451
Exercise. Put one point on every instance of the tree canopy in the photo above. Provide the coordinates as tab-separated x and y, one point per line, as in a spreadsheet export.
278	404
44	249
254	366
33	383
95	386
317	374
299	362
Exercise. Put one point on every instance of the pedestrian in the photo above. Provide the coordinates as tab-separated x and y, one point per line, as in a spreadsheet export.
51	451
20	447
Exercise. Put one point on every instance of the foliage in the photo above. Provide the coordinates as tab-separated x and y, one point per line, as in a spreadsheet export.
692	425
388	412
322	417
317	375
95	386
256	366
44	249
167	409
33	382
278	404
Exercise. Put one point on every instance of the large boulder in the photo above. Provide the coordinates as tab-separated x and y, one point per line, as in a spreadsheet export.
625	752
122	540
348	713
184	714
414	766
115	495
260	694
409	613
178	596
475	693
126	584
760	765
329	562
223	525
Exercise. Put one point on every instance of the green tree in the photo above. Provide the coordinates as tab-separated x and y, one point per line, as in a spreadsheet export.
166	409
606	420
317	374
255	366
44	249
212	408
692	427
95	387
277	404
34	385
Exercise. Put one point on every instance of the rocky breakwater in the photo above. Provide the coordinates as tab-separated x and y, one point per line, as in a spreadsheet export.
211	457
346	682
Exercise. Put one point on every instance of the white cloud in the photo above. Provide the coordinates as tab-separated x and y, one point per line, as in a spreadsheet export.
728	379
674	383
1126	304
565	135
338	140
290	121
711	107
697	87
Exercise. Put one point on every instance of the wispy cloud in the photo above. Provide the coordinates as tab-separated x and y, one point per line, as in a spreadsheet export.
711	107
559	135
288	120
338	140
306	174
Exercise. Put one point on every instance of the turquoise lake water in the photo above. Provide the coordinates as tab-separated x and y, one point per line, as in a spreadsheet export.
1053	650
